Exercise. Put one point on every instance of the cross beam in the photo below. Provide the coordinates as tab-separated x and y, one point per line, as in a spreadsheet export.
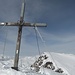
20	24
23	24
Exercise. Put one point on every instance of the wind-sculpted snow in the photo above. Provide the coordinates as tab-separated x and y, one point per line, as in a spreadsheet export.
64	61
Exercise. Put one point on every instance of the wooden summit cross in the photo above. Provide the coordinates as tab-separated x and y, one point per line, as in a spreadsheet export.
20	24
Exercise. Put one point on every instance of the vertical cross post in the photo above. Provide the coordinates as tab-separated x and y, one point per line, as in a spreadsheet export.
16	60
19	37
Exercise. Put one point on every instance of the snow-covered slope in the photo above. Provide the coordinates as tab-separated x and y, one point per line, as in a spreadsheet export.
64	61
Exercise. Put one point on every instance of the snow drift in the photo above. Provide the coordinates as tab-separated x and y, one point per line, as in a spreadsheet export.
64	61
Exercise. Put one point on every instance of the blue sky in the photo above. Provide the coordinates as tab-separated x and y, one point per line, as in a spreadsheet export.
59	35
